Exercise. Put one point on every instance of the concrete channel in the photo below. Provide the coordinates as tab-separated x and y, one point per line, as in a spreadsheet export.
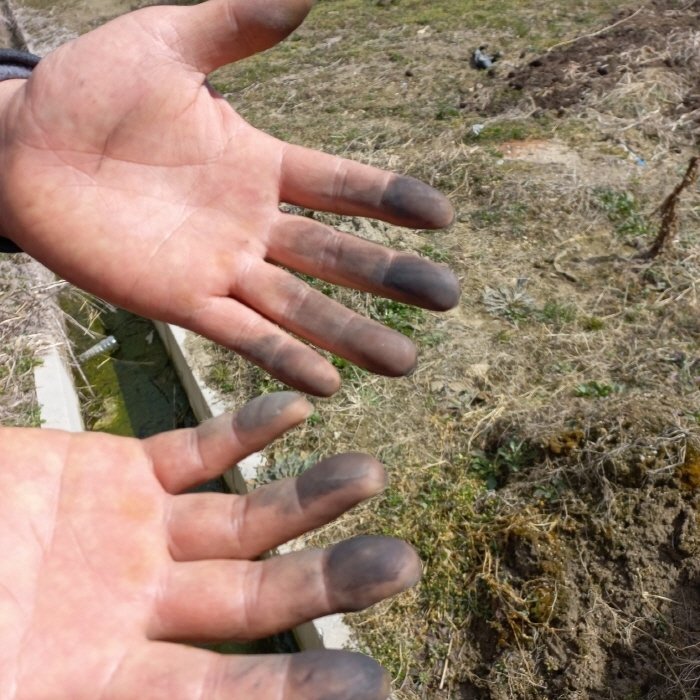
39	26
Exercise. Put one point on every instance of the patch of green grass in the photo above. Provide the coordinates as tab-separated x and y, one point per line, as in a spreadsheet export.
510	217
401	317
219	376
435	254
557	314
447	112
495	468
286	465
623	211
592	323
436	522
503	131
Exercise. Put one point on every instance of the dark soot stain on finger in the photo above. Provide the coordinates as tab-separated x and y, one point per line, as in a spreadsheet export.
417	204
262	410
336	675
379	349
423	282
359	571
335	474
292	365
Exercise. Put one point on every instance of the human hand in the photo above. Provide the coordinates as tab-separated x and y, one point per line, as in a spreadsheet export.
124	172
104	565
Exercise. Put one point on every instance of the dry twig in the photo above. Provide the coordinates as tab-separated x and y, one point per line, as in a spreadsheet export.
600	31
669	216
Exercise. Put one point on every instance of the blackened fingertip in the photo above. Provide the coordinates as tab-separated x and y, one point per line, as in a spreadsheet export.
416	204
379	349
336	675
364	570
264	410
278	19
424	283
359	475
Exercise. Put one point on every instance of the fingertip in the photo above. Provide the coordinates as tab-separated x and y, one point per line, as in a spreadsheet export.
324	383
423	282
218	32
340	675
364	570
268	23
295	364
350	477
271	412
416	204
403	358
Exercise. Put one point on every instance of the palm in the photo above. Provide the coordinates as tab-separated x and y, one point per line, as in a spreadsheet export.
138	183
103	567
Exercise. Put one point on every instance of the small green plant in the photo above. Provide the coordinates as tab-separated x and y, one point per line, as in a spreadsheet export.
592	323
557	314
435	254
401	317
502	131
596	390
495	468
512	303
623	211
286	466
219	376
446	112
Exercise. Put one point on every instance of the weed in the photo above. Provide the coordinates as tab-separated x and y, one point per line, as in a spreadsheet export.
622	209
497	467
500	131
219	376
592	323
435	254
285	466
401	317
512	303
446	112
557	314
509	217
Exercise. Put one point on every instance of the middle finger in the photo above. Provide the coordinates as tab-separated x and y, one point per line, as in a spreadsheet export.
218	526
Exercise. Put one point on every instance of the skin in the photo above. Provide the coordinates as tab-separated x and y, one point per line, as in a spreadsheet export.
124	172
107	565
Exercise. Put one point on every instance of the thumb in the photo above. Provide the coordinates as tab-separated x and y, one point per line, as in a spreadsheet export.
214	33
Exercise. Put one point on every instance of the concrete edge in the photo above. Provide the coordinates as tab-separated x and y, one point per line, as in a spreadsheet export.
59	406
325	633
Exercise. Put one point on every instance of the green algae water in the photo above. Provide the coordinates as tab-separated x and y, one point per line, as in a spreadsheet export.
134	391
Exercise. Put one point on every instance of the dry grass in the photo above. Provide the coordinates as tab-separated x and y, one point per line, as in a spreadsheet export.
544	458
23	294
539	443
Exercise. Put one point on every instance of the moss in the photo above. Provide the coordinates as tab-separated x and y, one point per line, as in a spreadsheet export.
134	391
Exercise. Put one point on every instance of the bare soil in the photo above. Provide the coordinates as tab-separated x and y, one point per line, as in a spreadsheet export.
566	75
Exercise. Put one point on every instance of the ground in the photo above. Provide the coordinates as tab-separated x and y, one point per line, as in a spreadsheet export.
545	456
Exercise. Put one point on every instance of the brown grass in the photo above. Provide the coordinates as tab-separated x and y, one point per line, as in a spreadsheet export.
543	457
